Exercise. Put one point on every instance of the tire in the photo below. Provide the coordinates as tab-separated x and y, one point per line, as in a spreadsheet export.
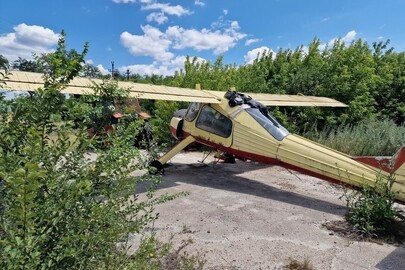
155	167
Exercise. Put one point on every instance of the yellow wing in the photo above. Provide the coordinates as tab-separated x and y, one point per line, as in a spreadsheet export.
296	100
29	81
289	100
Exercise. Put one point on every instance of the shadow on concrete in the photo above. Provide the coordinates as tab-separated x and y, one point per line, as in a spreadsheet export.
395	260
225	177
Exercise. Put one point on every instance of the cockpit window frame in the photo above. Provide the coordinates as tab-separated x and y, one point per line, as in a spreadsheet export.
212	121
192	111
269	123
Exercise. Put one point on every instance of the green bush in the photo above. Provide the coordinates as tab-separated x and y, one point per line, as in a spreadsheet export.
163	113
65	204
370	210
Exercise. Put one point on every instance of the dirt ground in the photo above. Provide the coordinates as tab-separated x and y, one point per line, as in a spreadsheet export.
253	216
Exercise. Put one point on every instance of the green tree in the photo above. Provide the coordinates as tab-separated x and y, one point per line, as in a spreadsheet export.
26	65
351	79
390	82
4	63
61	66
61	206
90	71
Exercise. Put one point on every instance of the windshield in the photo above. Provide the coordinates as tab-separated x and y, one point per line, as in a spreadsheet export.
270	124
192	111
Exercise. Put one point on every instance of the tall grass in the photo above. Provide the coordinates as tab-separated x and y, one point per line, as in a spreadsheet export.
368	138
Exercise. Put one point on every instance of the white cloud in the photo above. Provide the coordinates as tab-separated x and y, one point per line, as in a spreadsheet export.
100	67
152	43
251	41
27	40
225	11
157	44
103	70
143	69
205	39
325	19
132	1
163	9
165	68
348	38
258	52
235	25
158	17
167	9
199	3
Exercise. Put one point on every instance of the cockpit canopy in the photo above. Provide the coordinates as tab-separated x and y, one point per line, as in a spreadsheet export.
269	123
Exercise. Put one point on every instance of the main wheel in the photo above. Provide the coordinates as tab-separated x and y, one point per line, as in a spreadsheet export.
156	167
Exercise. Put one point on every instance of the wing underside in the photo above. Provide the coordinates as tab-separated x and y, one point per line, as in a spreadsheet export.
29	81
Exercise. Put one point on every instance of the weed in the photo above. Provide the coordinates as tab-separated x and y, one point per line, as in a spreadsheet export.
294	264
186	229
370	210
155	255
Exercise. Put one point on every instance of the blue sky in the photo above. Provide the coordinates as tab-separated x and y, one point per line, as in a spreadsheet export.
154	36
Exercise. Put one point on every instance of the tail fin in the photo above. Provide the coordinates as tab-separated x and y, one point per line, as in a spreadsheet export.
398	162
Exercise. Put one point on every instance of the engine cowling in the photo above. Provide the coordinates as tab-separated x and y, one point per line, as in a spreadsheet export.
176	127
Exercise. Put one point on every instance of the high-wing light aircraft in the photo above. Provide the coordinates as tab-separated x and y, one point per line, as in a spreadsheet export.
237	124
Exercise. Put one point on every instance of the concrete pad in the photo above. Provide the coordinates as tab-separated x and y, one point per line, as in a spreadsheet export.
253	216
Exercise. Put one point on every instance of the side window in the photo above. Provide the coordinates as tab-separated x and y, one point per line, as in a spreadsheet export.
212	121
192	111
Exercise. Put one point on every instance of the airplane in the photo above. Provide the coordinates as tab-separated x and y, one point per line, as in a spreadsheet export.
240	125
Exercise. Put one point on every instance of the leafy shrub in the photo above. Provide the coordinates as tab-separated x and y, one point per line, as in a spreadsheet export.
163	113
65	204
370	210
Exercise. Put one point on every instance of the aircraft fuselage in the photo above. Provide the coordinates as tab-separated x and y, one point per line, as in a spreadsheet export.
244	132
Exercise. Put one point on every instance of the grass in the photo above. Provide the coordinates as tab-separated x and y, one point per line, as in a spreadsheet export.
368	138
155	255
294	264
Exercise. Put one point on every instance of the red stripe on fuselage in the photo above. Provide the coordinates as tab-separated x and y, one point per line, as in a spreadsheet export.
260	158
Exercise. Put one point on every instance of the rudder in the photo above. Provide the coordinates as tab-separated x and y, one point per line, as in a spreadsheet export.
398	162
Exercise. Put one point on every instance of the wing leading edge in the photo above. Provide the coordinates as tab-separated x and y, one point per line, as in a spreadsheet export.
30	81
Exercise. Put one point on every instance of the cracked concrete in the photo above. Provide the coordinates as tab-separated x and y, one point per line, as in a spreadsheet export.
254	216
